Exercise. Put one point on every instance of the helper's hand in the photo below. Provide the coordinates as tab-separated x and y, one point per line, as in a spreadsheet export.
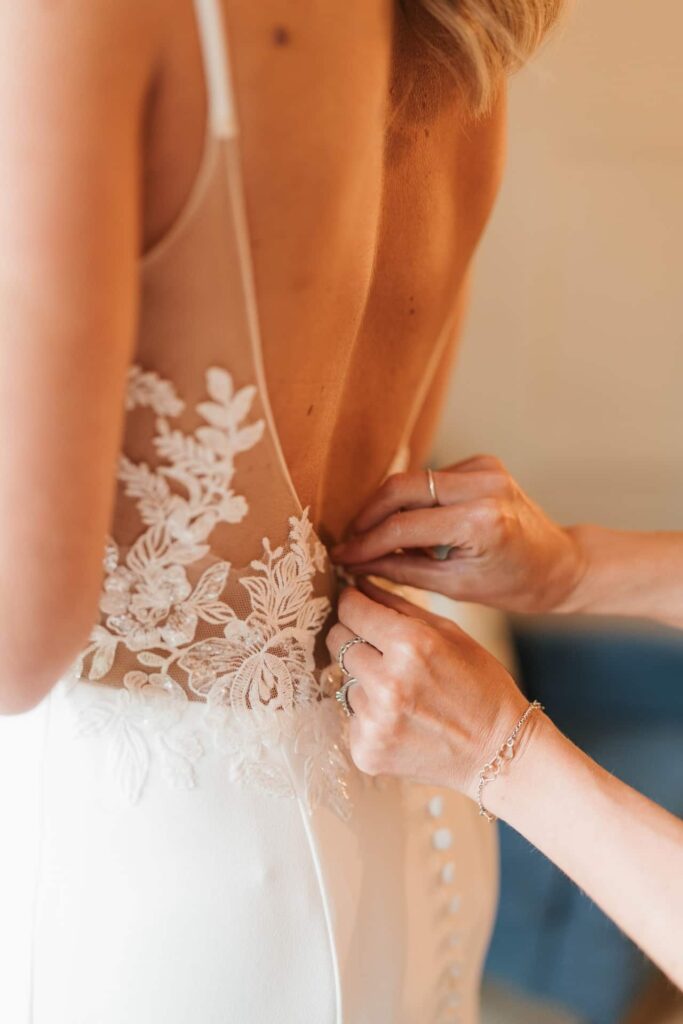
504	551
430	703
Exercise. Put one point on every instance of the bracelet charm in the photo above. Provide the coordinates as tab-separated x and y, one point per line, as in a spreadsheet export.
492	770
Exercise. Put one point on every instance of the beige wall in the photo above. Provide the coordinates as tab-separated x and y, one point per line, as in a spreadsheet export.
572	362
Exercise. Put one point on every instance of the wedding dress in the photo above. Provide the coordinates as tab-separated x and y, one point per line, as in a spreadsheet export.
185	839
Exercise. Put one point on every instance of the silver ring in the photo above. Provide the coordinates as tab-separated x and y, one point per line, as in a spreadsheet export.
431	483
440	552
342	695
345	647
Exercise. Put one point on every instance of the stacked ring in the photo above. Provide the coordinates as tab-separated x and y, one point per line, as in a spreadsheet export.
342	693
342	696
343	650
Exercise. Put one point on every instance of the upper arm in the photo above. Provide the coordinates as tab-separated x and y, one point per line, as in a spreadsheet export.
73	77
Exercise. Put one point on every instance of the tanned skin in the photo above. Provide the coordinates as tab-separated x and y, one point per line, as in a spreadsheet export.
367	188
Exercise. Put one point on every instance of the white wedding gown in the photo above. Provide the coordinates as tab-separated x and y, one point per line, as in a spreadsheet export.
184	838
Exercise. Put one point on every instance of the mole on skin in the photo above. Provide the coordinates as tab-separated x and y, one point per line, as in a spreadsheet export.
281	36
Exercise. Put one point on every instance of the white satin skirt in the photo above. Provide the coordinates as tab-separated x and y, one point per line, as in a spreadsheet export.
221	904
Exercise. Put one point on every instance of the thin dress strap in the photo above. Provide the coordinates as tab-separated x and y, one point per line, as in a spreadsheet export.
402	456
224	122
219	88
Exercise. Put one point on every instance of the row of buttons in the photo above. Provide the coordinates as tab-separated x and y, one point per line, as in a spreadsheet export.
448	996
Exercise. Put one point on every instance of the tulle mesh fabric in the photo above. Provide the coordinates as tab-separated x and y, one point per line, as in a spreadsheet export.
213	578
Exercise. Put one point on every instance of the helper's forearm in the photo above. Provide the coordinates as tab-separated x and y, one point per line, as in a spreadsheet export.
638	574
623	850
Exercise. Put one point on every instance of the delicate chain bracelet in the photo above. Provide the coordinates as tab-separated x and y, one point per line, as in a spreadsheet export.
491	770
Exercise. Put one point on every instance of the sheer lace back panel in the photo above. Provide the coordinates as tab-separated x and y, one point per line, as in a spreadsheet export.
215	584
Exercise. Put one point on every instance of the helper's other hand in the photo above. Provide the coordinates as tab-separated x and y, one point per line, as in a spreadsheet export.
486	540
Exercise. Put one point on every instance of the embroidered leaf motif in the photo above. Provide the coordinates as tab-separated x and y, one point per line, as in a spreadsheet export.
241	404
94	720
211	583
185	554
180	755
130	759
148	549
151	659
219	384
102	660
215	612
313	614
262	596
246	438
147	389
151	490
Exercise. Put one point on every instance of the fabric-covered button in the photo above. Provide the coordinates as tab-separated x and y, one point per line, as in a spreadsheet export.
435	806
454	905
442	839
448	873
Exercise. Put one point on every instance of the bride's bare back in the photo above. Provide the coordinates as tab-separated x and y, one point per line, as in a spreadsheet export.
367	187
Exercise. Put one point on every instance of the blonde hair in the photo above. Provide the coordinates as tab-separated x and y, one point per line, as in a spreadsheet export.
482	40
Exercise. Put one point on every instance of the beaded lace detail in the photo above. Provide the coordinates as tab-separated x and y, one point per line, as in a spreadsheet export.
256	673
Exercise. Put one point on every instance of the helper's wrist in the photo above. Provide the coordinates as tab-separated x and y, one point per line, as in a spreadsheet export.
509	795
579	569
628	573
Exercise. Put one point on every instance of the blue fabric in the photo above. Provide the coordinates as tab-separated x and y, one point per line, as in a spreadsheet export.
620	698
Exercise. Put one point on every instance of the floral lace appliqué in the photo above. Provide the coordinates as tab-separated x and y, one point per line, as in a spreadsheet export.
143	719
256	674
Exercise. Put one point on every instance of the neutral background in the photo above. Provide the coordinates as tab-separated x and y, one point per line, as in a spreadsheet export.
571	367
